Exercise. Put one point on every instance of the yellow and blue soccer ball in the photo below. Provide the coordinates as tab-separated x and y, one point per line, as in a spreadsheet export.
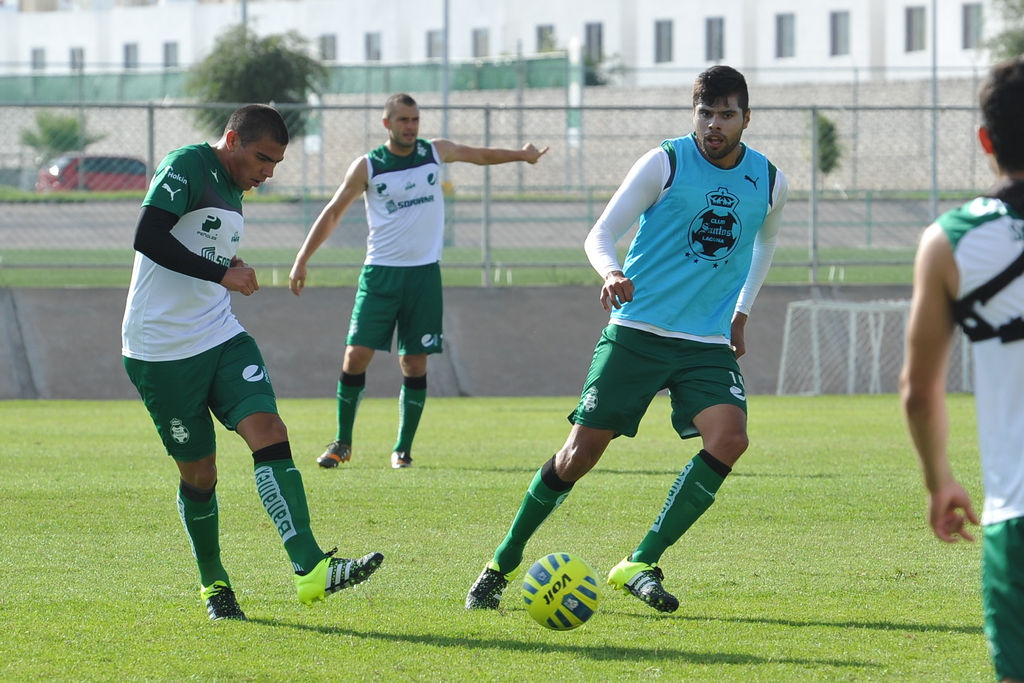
560	591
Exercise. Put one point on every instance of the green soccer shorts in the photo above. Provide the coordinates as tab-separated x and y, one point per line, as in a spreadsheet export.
1002	590
230	380
408	298
631	366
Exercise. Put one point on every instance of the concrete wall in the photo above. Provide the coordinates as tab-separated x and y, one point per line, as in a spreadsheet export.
521	341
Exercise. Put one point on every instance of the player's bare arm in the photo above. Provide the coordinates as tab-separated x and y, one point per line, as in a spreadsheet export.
737	334
485	156
351	187
930	334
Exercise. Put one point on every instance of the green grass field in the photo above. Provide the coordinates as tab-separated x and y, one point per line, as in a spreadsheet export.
814	564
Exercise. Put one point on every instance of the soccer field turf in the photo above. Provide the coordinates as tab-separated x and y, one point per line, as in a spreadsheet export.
815	563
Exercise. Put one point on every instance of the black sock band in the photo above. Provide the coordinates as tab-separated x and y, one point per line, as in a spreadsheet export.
194	494
551	478
716	465
348	380
278	451
415	382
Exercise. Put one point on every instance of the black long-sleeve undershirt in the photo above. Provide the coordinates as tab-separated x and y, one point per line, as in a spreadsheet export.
154	240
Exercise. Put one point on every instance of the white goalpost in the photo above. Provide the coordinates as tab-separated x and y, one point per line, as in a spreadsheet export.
848	347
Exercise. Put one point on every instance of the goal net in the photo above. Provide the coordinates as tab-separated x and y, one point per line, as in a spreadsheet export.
847	347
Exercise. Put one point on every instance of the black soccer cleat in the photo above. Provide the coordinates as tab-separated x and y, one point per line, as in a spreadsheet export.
486	592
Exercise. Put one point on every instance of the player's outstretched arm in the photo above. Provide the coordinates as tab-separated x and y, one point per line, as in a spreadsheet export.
486	156
354	185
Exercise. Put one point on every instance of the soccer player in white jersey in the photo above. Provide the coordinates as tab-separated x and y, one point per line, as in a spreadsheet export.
970	270
189	356
709	211
400	283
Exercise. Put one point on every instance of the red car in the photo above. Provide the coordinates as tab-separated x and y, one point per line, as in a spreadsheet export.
93	172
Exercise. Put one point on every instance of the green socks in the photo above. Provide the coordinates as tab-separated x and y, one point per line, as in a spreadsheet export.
410	408
546	492
350	393
279	485
198	510
691	494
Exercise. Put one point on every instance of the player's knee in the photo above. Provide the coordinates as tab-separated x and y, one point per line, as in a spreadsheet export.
728	447
201	475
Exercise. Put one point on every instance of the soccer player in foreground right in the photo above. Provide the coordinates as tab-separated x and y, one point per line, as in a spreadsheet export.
968	270
709	209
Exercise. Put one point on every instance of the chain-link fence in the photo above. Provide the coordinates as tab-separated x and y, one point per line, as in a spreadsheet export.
863	182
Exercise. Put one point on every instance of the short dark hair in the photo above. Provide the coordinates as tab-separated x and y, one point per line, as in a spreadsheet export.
719	82
254	122
398	98
1002	105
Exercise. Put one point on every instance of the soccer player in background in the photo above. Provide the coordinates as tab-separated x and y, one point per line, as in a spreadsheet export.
709	209
968	271
188	355
400	283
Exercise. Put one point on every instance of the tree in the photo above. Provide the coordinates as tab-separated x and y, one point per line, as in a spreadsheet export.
56	134
1010	41
244	68
829	151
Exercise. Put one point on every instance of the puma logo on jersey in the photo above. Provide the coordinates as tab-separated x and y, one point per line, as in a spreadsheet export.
213	172
170	191
753	181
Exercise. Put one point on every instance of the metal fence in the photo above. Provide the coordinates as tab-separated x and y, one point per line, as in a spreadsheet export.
897	167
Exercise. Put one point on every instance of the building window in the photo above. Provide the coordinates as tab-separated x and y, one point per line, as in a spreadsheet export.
972	25
839	33
785	35
39	59
593	45
131	55
481	42
372	47
915	29
328	43
170	55
714	39
662	41
77	58
435	44
546	38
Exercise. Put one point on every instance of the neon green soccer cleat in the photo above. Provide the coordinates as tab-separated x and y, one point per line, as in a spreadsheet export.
220	602
333	574
643	581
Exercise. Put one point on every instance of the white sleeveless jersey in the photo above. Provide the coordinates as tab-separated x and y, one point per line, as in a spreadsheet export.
404	207
987	235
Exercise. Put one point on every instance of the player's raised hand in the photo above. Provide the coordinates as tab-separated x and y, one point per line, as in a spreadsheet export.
532	153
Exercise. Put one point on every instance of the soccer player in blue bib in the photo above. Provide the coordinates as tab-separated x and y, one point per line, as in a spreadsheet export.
970	270
709	211
189	356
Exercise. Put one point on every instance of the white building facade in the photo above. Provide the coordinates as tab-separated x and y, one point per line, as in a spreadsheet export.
773	41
